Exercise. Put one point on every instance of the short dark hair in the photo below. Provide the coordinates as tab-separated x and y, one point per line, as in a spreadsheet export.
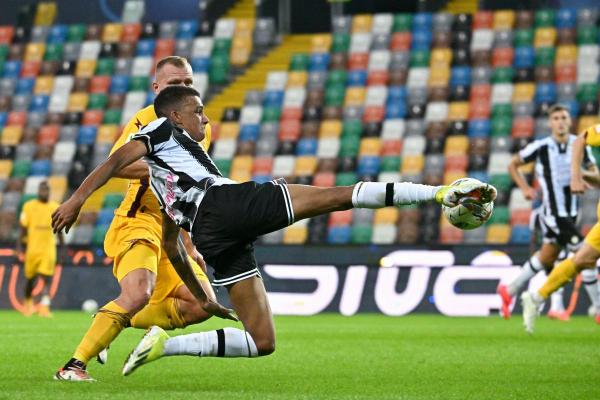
172	98
558	107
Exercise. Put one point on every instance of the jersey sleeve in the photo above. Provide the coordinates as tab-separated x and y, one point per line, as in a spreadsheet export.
155	135
530	152
592	136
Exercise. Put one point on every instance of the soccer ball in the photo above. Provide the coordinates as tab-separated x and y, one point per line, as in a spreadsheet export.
89	306
470	213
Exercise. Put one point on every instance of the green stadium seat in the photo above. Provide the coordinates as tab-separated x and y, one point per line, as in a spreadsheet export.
502	110
105	66
139	83
76	33
523	38
99	235
349	146
587	35
544	56
221	46
352	128
21	168
544	18
334	95
97	101
340	43
391	164
587	92
336	76
402	22
501	126
271	114
224	166
53	52
501	215
361	234
502	182
299	62
112	116
346	179
419	58
503	75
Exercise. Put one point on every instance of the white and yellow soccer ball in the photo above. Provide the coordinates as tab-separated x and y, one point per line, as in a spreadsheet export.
470	213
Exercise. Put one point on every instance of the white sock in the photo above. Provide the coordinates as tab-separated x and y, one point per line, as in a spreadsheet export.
226	342
556	301
45	301
378	194
590	281
537	297
528	271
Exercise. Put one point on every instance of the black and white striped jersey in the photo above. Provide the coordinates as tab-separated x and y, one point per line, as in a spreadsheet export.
180	170
553	171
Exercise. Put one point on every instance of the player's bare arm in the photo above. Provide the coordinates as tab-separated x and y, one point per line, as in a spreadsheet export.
191	250
519	179
175	249
577	182
135	170
67	213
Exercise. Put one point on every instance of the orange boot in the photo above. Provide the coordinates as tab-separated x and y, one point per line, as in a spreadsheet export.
29	308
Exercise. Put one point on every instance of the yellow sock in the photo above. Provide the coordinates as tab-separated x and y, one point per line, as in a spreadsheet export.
561	274
108	323
164	314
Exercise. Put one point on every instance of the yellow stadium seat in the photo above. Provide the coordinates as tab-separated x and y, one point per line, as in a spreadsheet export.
451	176
386	215
78	102
242	164
362	23
544	37
504	19
523	92
43	84
11	135
305	166
58	187
370	146
239	56
240	176
458	110
112	32
297	79
566	54
5	168
498	234
45	13
355	96
413	164
321	43
295	234
34	52
244	25
229	130
441	57
439	76
586	121
456	145
85	68
330	128
107	133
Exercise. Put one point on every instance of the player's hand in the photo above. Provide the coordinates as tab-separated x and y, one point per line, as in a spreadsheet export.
197	257
530	193
65	215
577	185
216	309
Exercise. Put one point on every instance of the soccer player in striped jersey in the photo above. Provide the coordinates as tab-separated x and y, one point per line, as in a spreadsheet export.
151	291
225	217
588	254
552	157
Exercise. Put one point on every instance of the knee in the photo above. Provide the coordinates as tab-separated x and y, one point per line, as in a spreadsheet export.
583	261
134	302
265	347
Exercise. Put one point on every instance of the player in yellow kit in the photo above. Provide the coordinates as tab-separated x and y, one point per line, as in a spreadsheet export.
588	254
40	256
151	291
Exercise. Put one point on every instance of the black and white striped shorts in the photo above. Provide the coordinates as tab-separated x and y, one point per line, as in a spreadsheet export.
229	220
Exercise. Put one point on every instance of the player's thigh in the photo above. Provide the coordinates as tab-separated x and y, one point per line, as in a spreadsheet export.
32	262
169	284
586	256
136	270
548	254
249	300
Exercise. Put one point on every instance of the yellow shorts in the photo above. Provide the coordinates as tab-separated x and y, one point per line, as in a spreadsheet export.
134	243
593	237
39	264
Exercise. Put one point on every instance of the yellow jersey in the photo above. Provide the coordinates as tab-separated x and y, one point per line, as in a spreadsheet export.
36	218
592	139
139	196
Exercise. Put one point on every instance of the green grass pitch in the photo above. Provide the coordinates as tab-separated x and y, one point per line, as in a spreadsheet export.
323	357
